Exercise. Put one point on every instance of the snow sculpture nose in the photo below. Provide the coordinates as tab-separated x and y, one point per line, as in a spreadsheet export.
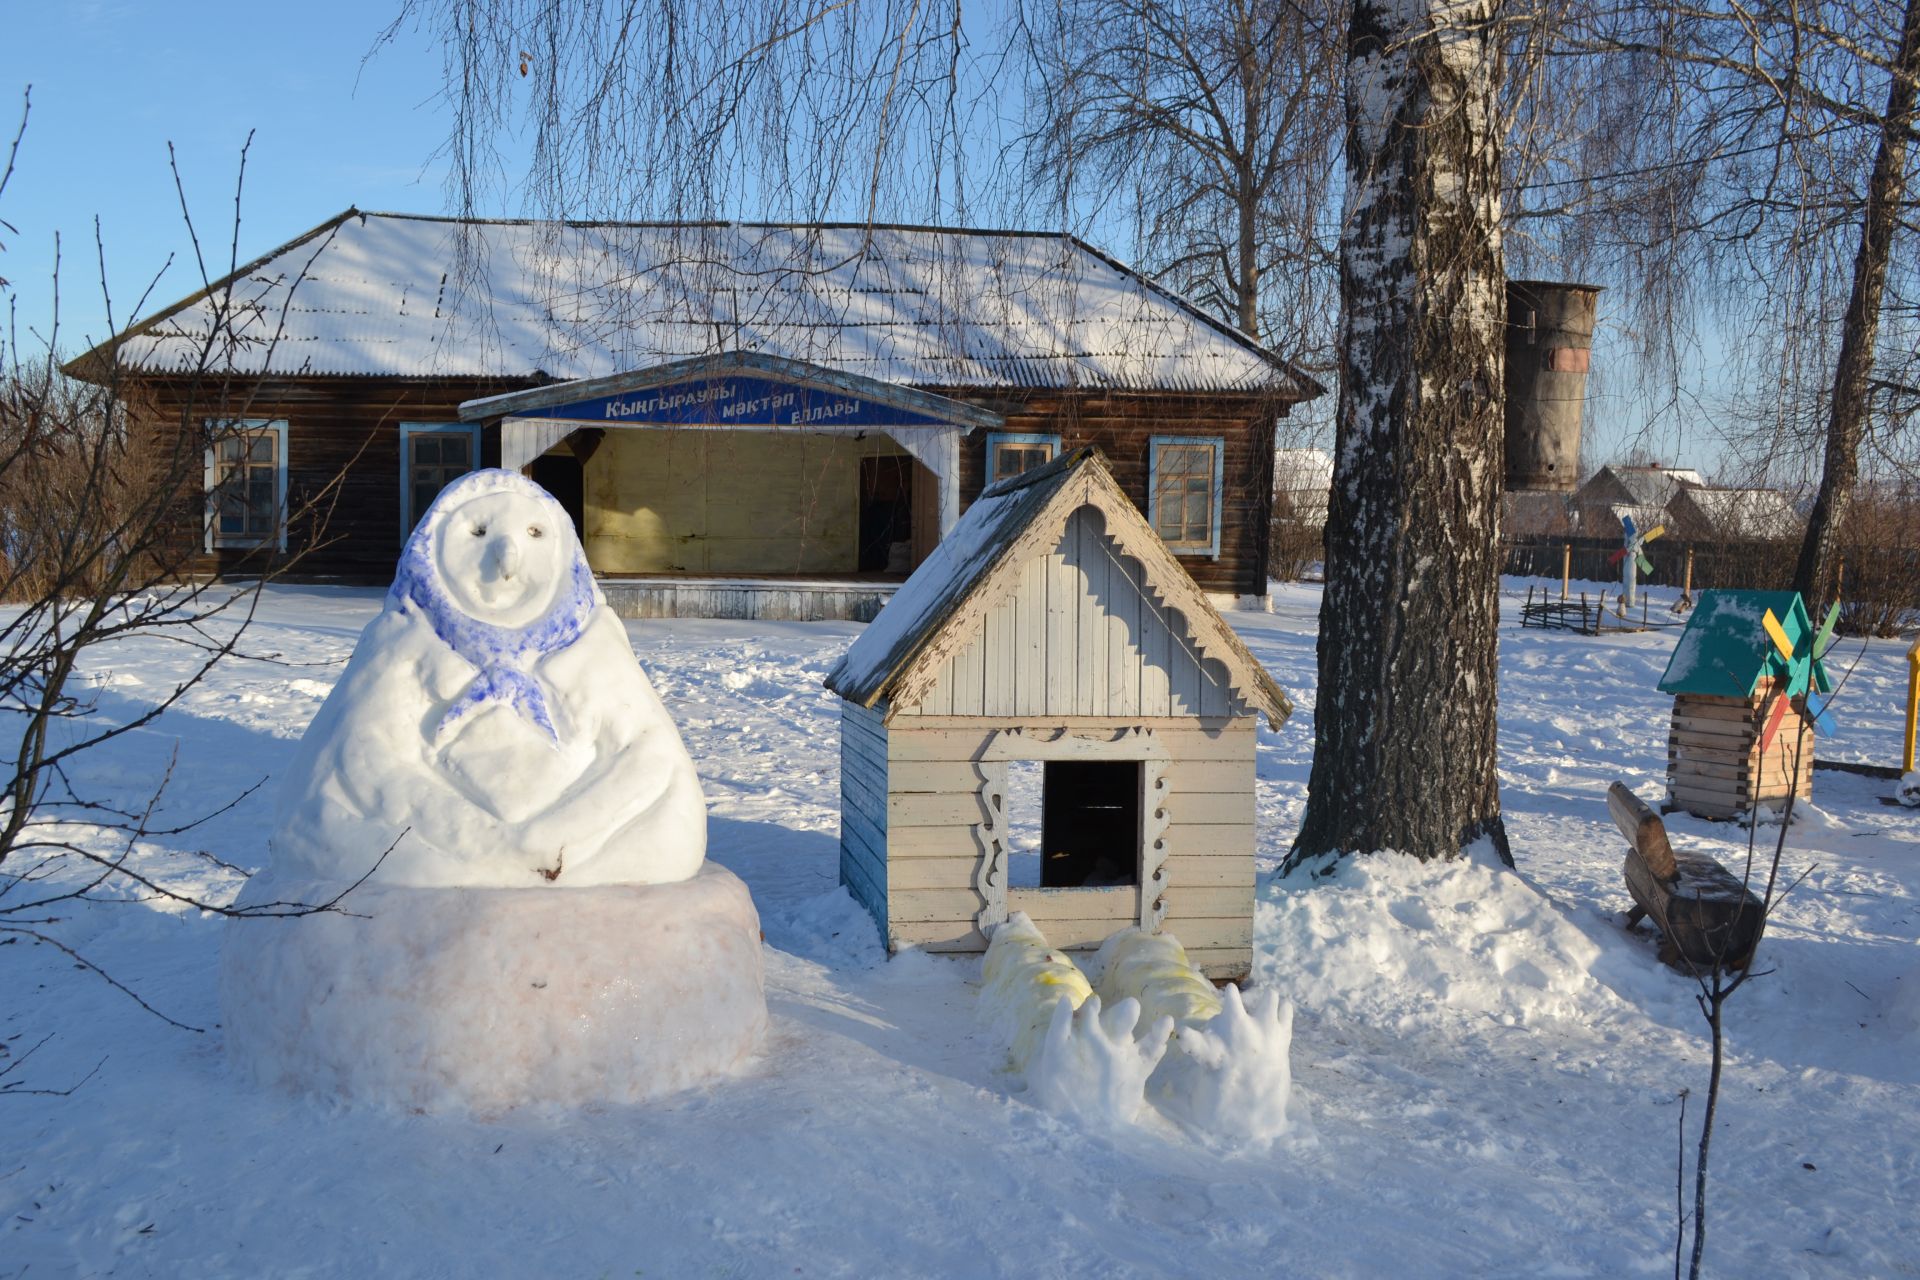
506	557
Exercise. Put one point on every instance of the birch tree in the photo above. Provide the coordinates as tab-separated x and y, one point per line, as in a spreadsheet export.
1406	722
1746	162
1214	128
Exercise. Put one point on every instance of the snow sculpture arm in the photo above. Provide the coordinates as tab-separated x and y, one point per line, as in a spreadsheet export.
1091	1067
1153	968
1233	1077
1076	1061
640	795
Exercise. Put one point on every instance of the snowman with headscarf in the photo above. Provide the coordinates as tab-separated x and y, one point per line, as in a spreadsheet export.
514	834
494	713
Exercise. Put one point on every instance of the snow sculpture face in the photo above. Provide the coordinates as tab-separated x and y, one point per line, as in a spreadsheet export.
500	557
495	569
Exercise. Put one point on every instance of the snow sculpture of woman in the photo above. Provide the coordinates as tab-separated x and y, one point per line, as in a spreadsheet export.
520	839
495	714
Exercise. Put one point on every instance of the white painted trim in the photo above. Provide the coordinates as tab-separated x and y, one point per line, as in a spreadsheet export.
997	438
524	439
407	431
938	450
212	539
1219	443
1135	744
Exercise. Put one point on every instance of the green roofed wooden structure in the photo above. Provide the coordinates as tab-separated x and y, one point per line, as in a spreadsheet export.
1742	733
1051	717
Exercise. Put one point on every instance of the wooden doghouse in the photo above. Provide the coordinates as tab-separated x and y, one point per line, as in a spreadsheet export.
1729	679
1052	643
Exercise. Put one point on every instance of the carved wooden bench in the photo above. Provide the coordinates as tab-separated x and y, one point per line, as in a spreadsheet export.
1704	912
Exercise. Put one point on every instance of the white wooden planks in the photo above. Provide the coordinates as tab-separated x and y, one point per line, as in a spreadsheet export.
1080	634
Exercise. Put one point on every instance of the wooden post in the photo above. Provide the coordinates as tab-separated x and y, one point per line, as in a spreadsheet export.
1566	569
1685	602
1913	705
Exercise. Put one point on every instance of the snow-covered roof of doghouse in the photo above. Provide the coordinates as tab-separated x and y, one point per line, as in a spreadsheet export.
1725	649
901	652
398	295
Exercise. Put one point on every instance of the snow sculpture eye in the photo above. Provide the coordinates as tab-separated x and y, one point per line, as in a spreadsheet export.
497	560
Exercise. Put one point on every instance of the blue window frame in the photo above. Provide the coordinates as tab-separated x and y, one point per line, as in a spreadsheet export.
246	483
1184	487
1011	452
432	456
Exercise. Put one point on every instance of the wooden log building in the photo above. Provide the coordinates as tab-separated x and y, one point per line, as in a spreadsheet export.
744	419
1729	682
1053	635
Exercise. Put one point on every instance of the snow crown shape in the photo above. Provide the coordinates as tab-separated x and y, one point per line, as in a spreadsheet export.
495	568
493	728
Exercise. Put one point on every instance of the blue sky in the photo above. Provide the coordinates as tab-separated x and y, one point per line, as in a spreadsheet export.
114	83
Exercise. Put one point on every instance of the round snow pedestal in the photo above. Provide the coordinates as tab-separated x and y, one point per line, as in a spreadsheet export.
485	999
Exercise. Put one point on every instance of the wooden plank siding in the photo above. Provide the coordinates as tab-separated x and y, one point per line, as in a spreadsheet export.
1120	424
863	809
1715	767
343	463
932	803
343	440
1107	646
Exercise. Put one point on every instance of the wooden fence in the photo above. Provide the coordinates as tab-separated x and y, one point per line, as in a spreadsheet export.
1887	575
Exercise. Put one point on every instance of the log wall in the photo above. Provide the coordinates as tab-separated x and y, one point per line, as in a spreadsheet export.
343	459
1120	424
1715	765
343	465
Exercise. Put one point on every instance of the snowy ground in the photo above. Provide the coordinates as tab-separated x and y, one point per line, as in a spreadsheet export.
1489	1064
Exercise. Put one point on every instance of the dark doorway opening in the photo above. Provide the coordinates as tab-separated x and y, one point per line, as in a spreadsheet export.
886	515
561	475
1090	824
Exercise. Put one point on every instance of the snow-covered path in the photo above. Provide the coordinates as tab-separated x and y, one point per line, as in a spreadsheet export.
1489	1065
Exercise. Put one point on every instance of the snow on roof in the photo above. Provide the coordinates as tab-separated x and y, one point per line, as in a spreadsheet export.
1300	468
1743	513
381	294
1020	517
1651	487
1305	478
1725	649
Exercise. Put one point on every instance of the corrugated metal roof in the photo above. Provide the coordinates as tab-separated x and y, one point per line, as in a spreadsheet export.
374	294
1742	513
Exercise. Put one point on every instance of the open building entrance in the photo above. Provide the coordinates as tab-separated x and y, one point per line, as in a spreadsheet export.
563	475
1073	824
886	515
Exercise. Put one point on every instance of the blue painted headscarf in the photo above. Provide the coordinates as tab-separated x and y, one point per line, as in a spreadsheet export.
504	655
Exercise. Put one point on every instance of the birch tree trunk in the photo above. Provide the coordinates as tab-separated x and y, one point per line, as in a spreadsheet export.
1813	576
1405	728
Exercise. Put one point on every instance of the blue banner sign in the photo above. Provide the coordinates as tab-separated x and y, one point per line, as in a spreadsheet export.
733	401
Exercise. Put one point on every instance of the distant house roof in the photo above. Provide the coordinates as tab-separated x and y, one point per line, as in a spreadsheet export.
1725	649
1635	486
980	561
398	295
1305	478
1737	513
